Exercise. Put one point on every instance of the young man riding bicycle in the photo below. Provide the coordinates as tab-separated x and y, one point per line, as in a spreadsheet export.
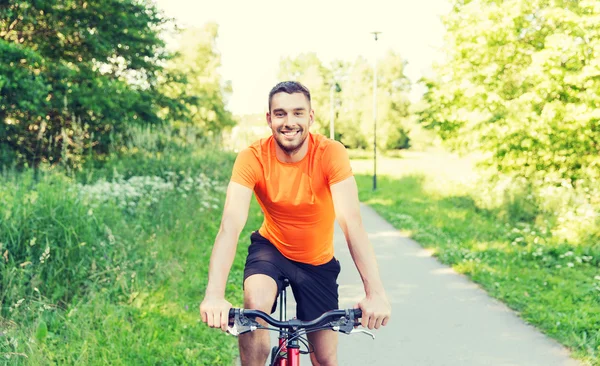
303	182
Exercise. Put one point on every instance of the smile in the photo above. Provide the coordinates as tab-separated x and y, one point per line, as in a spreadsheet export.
290	133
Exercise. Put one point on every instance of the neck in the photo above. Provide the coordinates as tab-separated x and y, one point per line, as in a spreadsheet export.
293	156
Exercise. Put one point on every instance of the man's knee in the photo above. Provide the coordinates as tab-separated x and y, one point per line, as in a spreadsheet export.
326	357
260	292
325	347
254	347
320	359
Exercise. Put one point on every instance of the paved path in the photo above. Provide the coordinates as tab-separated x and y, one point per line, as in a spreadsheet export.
438	316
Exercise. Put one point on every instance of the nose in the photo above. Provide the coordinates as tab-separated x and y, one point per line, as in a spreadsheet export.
288	124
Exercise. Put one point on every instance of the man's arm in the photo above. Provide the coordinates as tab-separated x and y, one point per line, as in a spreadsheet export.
214	308
375	306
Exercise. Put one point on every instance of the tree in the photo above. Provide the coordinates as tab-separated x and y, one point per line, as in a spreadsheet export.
520	83
73	74
393	103
197	62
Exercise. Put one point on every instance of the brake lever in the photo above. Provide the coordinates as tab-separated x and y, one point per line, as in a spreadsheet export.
347	327
347	324
362	331
344	325
233	330
241	325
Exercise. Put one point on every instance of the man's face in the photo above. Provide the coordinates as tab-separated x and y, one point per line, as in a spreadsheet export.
289	119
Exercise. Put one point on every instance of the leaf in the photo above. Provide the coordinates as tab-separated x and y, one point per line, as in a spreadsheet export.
42	331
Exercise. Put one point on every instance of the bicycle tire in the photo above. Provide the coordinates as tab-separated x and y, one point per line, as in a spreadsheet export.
274	355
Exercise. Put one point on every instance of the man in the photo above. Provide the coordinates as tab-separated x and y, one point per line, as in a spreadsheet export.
303	182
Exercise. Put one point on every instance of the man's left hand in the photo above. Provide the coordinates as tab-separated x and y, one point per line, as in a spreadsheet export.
376	311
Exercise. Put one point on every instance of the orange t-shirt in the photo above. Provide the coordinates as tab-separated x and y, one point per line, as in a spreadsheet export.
295	197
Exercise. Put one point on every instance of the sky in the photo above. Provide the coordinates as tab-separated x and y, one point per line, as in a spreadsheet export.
254	35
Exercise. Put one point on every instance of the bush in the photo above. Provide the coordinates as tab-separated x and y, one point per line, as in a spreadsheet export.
397	139
55	245
89	262
60	238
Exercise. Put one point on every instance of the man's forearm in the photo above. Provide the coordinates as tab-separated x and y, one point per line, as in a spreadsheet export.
364	258
221	260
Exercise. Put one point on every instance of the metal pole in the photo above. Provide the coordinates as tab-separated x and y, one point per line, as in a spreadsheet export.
375	116
332	113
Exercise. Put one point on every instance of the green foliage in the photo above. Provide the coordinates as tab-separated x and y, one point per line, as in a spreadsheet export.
52	243
520	83
74	74
42	331
352	87
197	60
129	244
397	139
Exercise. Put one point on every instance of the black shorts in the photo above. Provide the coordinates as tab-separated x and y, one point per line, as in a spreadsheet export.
315	288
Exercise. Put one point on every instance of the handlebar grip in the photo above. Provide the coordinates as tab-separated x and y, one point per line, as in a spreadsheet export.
232	313
357	313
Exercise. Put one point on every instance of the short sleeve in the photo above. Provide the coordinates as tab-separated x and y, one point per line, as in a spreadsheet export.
246	169
336	163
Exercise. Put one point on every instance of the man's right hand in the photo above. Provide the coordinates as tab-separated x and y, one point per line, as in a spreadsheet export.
215	312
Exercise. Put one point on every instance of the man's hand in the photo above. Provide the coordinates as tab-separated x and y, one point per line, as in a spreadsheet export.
215	312
376	311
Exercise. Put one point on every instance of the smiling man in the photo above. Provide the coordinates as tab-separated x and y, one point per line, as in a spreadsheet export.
303	182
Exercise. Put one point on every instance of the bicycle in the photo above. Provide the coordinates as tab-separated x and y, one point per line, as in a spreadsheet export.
291	332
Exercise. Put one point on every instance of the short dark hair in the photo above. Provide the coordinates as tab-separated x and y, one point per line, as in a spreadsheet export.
289	87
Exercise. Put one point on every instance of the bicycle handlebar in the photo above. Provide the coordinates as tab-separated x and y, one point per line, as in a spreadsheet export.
342	320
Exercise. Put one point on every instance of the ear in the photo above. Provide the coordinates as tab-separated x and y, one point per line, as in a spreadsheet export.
269	119
311	117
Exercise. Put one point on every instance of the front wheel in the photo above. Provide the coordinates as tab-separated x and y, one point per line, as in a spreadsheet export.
274	356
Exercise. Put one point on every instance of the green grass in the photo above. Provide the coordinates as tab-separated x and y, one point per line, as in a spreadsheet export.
122	283
551	284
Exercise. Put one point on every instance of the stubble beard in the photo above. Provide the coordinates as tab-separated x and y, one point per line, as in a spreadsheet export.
292	149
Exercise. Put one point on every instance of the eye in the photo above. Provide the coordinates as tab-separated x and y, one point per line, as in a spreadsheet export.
279	114
299	113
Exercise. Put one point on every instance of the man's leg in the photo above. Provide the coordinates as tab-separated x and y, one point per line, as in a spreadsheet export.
325	344
260	292
316	291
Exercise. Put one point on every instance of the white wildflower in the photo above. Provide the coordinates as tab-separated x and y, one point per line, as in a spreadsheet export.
44	257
